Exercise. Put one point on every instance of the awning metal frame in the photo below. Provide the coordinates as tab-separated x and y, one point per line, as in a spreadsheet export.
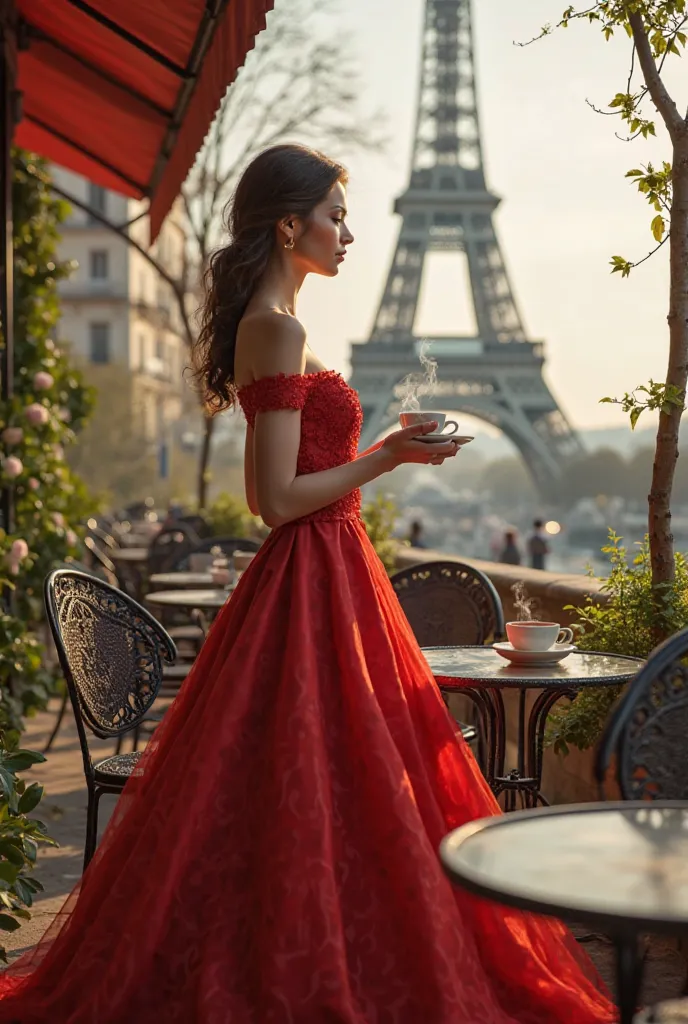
16	33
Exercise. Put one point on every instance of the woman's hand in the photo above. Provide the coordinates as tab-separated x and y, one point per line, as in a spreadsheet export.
402	446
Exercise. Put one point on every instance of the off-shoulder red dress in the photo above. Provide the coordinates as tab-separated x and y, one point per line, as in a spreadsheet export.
274	860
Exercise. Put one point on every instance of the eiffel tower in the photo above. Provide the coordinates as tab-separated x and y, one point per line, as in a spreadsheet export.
496	376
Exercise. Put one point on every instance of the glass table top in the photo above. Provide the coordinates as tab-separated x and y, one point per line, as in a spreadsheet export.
482	665
601	863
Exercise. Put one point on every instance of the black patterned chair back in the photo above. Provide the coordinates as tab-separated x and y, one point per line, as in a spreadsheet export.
227	545
197	523
111	651
170	545
449	603
647	728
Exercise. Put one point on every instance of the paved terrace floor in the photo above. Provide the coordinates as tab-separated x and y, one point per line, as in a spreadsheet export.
64	810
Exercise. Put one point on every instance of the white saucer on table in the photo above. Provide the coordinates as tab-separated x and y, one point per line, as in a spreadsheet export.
532	658
439	438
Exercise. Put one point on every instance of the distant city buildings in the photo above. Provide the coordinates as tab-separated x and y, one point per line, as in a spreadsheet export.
118	312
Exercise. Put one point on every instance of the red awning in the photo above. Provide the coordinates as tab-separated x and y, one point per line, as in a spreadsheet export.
124	92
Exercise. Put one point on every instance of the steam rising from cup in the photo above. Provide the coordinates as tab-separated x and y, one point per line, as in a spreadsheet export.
415	384
525	606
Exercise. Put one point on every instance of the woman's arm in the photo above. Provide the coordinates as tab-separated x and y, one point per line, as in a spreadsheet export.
373	448
277	343
249	473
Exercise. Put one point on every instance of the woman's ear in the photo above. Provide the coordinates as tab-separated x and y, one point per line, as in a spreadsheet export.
288	231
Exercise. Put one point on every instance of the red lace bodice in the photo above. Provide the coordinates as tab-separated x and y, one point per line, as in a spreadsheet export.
331	420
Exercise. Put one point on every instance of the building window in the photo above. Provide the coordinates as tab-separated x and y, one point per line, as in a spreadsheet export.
97	200
100	343
98	259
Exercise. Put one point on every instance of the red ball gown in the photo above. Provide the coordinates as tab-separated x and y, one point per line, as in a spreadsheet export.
274	859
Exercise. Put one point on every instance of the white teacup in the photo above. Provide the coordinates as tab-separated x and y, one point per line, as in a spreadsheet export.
409	419
537	636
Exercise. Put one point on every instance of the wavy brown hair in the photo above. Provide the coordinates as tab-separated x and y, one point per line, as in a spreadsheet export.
286	180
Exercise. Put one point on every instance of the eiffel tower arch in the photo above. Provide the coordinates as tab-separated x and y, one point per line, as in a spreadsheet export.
497	375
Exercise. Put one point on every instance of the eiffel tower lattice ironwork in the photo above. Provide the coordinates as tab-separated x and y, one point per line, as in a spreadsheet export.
496	376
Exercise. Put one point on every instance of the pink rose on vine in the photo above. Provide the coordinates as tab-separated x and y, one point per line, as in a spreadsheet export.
12	435
19	550
43	381
12	467
37	414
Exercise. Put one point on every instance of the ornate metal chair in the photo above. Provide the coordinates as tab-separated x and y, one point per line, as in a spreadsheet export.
647	728
227	545
646	733
104	569
111	651
198	523
447	604
170	545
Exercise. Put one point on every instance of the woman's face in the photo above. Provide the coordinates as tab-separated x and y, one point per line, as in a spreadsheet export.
320	243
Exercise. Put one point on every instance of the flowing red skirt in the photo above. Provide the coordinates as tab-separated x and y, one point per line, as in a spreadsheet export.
274	860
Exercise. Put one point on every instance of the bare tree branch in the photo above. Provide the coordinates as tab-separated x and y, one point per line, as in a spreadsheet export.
297	82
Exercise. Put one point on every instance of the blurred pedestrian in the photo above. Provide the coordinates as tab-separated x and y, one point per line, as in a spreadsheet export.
510	553
538	548
416	534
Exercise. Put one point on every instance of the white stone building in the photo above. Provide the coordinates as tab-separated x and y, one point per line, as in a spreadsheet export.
116	310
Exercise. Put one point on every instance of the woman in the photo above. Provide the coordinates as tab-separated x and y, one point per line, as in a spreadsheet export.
275	859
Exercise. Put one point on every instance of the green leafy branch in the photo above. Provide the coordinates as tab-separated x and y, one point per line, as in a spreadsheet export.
20	835
663	397
656	29
656	185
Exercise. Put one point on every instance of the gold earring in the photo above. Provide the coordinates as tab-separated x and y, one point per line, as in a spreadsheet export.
290	243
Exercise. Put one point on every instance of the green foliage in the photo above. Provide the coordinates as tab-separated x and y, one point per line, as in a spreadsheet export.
626	624
20	835
50	404
230	516
656	28
659	396
379	516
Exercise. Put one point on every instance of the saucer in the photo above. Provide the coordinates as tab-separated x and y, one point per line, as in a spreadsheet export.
439	438
533	658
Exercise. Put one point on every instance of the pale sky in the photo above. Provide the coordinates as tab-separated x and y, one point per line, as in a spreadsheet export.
566	205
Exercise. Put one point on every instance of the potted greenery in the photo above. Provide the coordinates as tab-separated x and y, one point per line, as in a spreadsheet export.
625	624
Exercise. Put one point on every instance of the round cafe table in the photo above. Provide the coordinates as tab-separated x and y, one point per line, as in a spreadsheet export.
621	868
181	580
212	600
481	674
135	555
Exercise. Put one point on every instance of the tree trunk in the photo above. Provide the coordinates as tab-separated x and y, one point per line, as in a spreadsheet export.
204	461
666	450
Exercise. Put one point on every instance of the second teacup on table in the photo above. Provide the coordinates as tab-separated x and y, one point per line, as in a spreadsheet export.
534	635
536	643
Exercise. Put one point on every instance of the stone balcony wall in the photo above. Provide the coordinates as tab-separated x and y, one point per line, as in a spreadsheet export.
551	591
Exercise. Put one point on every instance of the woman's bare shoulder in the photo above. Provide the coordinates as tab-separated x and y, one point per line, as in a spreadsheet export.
271	342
